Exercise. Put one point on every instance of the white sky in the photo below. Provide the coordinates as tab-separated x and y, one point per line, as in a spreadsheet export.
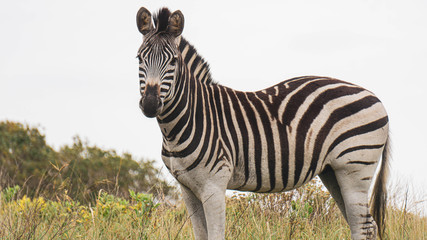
70	67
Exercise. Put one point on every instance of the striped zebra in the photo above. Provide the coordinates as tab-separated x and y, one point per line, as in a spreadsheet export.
217	138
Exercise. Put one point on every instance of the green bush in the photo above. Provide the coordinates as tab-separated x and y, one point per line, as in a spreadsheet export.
9	193
79	170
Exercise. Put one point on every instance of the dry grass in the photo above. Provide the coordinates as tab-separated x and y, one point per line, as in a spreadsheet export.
306	213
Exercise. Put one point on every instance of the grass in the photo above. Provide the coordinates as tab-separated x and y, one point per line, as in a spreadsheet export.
306	213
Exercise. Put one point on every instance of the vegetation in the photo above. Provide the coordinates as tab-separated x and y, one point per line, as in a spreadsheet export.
79	169
38	218
84	192
306	213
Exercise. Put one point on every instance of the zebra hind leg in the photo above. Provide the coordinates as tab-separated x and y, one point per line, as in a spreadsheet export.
354	180
330	181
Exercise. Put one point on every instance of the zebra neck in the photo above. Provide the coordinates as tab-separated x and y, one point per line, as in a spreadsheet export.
184	108
192	79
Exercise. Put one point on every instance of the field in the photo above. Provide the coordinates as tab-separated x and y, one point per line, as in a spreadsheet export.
306	213
81	191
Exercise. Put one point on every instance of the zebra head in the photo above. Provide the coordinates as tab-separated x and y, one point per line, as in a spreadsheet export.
158	57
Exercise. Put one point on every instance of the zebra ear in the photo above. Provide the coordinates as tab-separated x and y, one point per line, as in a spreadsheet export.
143	21
176	23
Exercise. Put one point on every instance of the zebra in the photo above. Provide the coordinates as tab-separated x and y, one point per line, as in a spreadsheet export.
216	138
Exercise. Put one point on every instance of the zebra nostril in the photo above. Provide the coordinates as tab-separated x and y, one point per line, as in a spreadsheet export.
141	104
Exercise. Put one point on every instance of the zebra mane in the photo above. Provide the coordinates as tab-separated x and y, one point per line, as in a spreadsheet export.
161	19
199	67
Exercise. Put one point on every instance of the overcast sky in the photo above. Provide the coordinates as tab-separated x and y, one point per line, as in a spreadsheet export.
70	67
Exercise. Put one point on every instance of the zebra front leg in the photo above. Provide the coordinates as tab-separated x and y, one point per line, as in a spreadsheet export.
214	208
196	213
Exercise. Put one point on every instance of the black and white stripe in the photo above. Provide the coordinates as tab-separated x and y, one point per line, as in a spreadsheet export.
282	143
271	140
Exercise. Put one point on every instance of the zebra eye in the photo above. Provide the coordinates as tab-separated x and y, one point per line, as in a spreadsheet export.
139	58
173	61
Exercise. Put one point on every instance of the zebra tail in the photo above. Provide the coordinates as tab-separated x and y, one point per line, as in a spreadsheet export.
379	193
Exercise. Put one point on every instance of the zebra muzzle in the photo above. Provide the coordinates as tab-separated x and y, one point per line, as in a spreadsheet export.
150	103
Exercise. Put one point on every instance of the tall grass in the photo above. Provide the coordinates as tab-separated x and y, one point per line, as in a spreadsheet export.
306	213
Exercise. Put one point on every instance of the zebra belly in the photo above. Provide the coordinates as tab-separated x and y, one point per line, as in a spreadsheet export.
239	182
